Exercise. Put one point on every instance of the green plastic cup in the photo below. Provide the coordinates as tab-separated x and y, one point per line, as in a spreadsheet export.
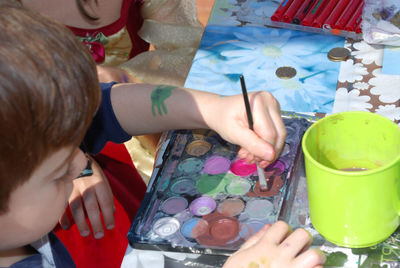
353	208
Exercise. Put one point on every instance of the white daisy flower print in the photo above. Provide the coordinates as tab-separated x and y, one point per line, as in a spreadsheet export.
367	53
361	85
350	72
390	111
350	101
386	86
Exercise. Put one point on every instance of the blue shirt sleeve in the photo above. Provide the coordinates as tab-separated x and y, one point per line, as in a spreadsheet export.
105	126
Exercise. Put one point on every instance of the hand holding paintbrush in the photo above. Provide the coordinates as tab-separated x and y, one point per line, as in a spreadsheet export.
260	171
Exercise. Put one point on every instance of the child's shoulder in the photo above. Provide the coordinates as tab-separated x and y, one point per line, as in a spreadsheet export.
50	253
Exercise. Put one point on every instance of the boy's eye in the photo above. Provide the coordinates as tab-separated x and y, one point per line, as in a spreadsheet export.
66	175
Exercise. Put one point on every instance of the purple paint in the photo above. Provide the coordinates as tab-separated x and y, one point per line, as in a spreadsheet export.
202	206
242	168
278	166
174	205
255	226
216	164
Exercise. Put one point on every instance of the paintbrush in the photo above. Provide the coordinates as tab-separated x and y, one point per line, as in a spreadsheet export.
261	175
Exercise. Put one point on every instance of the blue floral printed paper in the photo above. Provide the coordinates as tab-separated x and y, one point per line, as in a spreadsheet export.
256	52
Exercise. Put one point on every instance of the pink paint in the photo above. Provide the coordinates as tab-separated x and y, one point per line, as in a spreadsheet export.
242	168
231	207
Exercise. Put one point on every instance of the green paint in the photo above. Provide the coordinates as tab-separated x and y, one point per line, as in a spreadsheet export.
238	187
191	165
158	96
213	185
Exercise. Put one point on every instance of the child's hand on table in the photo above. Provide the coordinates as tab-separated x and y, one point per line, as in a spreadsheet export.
91	194
277	246
266	141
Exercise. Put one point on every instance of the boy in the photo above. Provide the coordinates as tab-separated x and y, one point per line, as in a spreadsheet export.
51	99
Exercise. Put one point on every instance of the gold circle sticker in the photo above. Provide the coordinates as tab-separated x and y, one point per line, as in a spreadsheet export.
338	54
285	72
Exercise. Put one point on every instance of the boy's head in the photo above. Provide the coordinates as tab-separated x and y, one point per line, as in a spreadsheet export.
48	96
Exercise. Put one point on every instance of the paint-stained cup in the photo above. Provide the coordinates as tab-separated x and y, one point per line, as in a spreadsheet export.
352	169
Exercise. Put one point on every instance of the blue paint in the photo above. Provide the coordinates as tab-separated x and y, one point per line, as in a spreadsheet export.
188	226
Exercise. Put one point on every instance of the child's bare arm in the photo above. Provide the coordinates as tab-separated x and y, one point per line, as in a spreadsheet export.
143	108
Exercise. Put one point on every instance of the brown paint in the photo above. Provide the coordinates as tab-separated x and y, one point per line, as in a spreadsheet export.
221	230
274	185
200	229
354	169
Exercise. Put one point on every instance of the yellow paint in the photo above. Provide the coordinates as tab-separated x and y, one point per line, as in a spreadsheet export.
253	265
264	261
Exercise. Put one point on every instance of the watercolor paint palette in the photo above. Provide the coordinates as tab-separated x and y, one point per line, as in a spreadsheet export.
202	198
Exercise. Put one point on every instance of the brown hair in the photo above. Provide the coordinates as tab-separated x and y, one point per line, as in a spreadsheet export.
49	93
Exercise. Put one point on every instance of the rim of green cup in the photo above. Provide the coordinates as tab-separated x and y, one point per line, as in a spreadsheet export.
342	172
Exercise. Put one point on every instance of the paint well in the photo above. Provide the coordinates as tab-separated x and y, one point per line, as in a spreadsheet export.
191	165
242	168
274	185
259	209
278	166
174	205
194	228
202	206
238	187
182	186
213	184
166	226
216	164
198	147
224	230
231	207
249	228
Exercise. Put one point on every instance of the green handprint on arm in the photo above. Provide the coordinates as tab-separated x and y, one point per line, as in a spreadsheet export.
158	96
